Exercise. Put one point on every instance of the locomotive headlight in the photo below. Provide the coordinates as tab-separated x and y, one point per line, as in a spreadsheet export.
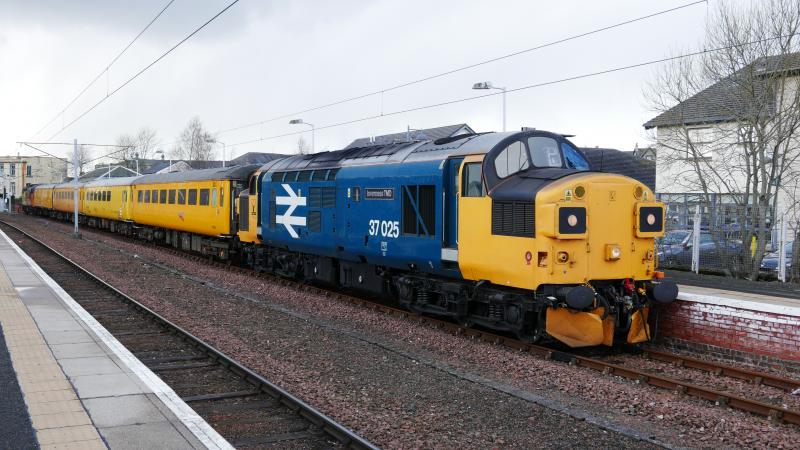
613	252
651	219
571	220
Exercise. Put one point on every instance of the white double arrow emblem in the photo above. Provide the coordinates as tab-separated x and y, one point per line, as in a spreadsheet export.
287	219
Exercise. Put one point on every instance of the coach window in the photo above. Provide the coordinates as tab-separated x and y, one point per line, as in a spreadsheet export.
147	196
203	197
163	197
171	198
511	160
181	196
472	185
140	196
154	196
108	196
214	197
222	197
192	197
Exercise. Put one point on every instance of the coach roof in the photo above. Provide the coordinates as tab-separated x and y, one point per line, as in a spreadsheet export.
219	173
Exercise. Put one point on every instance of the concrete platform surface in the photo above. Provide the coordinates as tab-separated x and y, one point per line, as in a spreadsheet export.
740	300
81	388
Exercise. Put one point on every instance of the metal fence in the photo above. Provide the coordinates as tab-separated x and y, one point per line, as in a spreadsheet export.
718	236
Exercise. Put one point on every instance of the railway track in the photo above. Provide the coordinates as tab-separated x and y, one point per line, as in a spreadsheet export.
774	412
243	407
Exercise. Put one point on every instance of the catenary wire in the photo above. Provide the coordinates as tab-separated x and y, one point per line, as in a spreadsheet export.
108	66
460	69
143	70
519	89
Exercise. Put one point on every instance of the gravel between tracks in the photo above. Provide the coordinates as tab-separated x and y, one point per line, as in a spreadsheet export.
398	383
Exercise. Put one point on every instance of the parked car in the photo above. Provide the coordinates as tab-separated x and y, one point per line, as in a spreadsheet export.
769	265
715	257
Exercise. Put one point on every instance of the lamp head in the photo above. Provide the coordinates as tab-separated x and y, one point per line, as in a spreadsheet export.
482	85
295	121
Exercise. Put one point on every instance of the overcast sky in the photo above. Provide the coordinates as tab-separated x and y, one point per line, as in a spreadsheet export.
266	59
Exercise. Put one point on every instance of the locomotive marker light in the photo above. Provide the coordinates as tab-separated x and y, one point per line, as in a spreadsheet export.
287	219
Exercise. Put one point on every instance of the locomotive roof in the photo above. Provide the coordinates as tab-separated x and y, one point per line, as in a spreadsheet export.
418	151
219	173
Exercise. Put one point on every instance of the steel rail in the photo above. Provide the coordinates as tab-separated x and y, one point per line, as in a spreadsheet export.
774	412
786	384
339	432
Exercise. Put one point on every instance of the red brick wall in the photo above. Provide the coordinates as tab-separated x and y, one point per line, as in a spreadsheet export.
755	332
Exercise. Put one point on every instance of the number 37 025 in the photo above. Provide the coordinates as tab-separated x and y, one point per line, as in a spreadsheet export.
385	228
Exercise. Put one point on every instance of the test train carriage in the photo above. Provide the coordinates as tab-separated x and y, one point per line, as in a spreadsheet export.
510	231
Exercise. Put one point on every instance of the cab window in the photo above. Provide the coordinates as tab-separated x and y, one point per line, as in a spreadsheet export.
511	160
472	185
573	157
544	152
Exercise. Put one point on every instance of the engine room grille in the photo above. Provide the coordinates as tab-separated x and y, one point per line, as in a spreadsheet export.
511	218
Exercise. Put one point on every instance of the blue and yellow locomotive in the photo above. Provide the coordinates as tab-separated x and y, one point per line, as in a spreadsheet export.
510	231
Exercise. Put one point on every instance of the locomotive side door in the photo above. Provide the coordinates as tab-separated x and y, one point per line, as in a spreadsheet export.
450	209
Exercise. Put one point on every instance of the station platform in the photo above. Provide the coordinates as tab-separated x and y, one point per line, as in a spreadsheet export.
763	330
741	300
66	383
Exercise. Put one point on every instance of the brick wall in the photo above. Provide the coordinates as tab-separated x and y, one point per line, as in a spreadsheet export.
765	334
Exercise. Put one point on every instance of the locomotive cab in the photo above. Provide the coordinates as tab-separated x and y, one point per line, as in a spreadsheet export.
532	216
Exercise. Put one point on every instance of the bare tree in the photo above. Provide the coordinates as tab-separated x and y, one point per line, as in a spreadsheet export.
194	143
84	158
127	149
302	146
141	145
747	148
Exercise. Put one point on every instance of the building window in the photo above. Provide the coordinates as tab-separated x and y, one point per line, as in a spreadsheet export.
698	142
12	169
29	171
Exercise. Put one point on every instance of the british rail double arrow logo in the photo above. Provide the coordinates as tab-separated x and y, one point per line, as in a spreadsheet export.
287	219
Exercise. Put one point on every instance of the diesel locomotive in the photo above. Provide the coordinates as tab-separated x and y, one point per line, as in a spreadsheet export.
509	231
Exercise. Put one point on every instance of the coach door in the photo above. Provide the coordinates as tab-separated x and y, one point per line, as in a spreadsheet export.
450	210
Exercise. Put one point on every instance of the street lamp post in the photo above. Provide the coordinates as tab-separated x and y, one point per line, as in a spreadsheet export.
162	158
215	141
300	122
488	85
